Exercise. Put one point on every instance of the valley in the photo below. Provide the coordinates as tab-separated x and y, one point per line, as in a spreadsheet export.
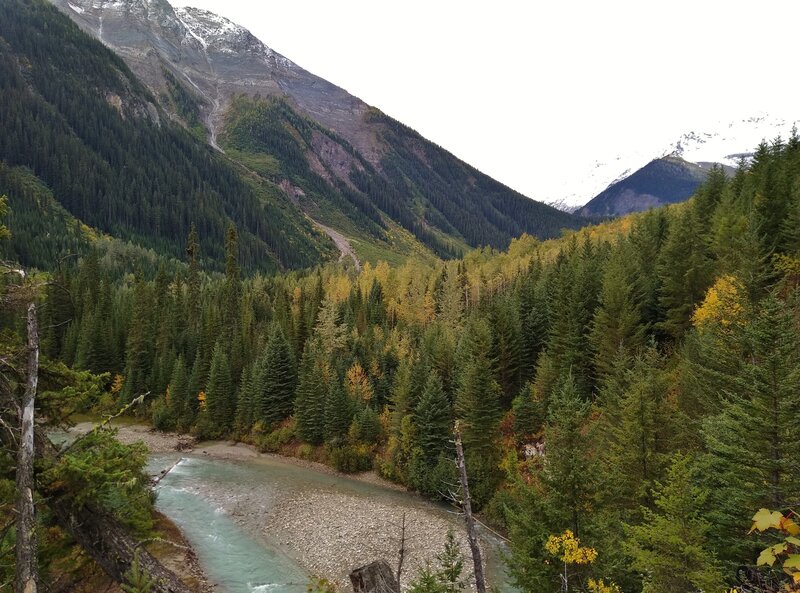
254	327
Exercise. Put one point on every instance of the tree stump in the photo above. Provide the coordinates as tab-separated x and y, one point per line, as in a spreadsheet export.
376	577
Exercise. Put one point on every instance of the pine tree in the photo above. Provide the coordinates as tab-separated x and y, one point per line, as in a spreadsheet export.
432	418
278	382
220	404
616	323
671	547
753	440
338	412
569	473
309	407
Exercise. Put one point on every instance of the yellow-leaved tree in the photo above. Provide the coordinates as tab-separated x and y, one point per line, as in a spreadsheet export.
722	305
567	548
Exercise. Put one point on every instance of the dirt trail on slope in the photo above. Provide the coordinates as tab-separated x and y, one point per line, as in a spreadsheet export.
341	242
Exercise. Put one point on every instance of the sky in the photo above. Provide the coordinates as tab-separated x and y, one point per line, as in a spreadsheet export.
534	93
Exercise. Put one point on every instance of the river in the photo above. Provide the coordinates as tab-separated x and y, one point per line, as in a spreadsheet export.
263	523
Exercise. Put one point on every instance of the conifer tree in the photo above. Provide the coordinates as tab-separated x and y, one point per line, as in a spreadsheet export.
635	442
278	381
753	441
478	396
671	547
338	412
432	418
616	323
193	279
506	349
182	407
138	357
220	403
309	406
569	474
685	272
245	407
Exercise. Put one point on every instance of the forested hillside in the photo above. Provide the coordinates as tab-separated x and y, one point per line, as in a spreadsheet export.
636	383
91	150
75	117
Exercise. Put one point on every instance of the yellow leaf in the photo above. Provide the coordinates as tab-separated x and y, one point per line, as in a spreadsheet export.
792	563
789	526
767	557
764	519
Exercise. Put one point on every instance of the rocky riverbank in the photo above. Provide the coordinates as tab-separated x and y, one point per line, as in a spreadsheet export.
329	531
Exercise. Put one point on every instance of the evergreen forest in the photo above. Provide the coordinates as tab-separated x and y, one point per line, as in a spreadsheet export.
631	387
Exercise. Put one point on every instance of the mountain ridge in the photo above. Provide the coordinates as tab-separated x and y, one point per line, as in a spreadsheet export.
361	165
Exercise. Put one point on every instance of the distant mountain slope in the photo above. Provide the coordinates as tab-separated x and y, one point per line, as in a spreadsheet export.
74	114
662	181
723	142
363	172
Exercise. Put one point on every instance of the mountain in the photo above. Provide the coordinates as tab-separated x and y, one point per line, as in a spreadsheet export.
662	181
342	163
86	148
722	142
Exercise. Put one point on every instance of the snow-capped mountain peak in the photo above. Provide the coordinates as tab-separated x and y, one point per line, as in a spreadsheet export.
220	34
727	143
724	142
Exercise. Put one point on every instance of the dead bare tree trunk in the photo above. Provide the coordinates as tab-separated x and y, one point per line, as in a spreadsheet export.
102	536
472	536
402	551
26	576
375	577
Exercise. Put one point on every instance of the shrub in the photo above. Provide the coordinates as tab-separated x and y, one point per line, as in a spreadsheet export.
351	458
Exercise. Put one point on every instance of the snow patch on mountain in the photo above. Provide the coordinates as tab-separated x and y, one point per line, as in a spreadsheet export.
724	142
220	34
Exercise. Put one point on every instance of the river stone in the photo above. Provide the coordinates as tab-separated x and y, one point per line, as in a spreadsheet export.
376	577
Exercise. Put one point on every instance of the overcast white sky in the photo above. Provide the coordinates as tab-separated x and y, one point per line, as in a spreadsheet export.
533	91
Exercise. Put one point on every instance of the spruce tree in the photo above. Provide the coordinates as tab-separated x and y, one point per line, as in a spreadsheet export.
753	440
433	418
338	412
138	357
616	323
506	348
634	441
181	404
684	269
220	404
309	406
478	395
243	420
278	381
569	474
671	547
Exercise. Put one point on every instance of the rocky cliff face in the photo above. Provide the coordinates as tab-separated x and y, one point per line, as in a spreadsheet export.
218	60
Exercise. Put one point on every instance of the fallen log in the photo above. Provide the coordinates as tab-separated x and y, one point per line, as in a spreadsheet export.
112	547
